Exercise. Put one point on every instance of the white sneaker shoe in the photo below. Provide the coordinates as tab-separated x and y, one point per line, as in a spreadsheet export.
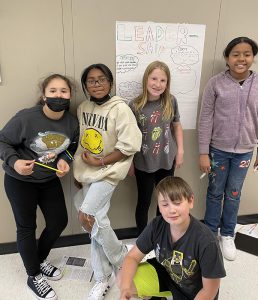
228	247
100	289
150	255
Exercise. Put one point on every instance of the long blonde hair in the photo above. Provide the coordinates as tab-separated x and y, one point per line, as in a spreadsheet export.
166	97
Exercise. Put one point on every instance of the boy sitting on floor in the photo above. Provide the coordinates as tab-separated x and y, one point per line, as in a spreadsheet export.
188	262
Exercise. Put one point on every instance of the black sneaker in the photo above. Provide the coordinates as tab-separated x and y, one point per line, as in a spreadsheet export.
40	288
50	271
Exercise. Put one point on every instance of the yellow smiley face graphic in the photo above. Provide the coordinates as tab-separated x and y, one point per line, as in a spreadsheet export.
92	141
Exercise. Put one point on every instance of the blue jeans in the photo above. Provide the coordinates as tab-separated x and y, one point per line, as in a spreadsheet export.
228	172
107	252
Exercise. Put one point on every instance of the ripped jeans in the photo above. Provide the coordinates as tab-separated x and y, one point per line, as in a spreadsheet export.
107	252
228	172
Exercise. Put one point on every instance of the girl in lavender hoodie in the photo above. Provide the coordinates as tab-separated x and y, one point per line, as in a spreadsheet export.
228	130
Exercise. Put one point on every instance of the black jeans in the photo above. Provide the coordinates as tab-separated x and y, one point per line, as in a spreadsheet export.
145	184
24	198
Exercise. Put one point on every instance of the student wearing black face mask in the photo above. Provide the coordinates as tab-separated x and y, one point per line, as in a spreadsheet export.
57	104
37	146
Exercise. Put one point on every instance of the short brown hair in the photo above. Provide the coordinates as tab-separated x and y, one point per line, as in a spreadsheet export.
175	188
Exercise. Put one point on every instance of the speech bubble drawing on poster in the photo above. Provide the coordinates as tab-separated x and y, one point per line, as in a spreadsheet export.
126	63
184	55
129	89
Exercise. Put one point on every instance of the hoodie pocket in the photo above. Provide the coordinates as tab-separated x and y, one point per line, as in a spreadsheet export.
247	134
224	132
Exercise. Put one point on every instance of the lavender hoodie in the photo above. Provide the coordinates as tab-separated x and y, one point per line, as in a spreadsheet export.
229	114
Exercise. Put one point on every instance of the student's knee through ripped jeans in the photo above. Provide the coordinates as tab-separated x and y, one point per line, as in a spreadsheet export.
107	252
87	221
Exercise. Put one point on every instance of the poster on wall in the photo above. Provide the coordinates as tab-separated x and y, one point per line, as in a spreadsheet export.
180	46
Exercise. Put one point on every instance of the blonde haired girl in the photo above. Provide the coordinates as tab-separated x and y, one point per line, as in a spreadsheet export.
157	115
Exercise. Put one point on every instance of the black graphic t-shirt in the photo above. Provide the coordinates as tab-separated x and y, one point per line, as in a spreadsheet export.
195	255
30	134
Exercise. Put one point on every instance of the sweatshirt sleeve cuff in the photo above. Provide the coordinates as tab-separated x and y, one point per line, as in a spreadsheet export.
11	161
65	157
204	149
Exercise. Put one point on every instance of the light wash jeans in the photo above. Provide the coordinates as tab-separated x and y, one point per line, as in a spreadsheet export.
107	252
228	172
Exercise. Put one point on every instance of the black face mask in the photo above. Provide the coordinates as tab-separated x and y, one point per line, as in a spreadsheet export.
58	104
100	101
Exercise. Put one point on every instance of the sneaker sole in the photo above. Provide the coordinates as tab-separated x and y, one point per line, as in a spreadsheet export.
229	258
30	291
53	278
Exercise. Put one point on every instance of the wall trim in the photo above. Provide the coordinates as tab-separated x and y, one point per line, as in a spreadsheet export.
72	240
124	233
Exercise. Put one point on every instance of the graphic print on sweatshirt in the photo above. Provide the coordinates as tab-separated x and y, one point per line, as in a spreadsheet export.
92	139
48	145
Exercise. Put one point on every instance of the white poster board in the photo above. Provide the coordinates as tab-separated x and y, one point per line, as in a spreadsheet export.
180	46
